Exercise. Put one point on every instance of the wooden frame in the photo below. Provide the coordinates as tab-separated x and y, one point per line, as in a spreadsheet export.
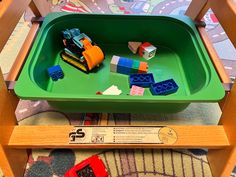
14	140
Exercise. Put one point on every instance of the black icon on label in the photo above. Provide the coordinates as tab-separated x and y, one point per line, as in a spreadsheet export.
79	133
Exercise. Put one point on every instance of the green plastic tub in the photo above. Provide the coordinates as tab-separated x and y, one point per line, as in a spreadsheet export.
180	55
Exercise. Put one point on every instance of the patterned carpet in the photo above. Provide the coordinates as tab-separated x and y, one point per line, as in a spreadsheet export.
121	163
124	163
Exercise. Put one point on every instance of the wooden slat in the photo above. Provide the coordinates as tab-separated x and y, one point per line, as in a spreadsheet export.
214	56
10	13
21	57
58	136
197	9
225	11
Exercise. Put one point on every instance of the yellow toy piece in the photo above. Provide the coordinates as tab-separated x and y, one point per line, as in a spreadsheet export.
79	65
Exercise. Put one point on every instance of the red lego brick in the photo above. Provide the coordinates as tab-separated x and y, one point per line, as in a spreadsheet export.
92	166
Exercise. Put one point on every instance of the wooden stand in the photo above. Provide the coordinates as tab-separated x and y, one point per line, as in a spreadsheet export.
14	140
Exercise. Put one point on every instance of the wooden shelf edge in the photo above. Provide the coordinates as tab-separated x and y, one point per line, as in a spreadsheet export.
188	136
22	55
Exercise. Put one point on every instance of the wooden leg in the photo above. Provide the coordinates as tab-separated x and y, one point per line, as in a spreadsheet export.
223	161
225	11
40	7
10	14
197	9
34	9
223	101
15	100
12	161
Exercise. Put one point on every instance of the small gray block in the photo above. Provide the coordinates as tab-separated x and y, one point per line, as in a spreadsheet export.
114	63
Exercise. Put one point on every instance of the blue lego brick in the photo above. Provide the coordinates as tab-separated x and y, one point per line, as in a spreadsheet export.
55	72
164	88
142	79
124	65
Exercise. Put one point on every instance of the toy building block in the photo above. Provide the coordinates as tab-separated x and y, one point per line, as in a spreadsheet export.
147	50
124	65
113	90
164	88
133	46
114	63
135	90
143	67
127	66
142	80
91	167
135	66
55	72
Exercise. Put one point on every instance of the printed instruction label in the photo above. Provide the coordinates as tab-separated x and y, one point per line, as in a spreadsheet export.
122	135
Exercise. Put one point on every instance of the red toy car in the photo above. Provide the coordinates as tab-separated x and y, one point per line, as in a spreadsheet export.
91	167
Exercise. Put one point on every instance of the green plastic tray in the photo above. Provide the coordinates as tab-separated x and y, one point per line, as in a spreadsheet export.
180	55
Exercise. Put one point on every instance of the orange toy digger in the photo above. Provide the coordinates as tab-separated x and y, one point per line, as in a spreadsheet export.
80	51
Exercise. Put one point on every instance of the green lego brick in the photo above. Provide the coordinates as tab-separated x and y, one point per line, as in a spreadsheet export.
135	66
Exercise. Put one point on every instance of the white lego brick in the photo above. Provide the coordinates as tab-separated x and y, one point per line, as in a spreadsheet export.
113	68
115	60
133	46
113	90
149	52
114	63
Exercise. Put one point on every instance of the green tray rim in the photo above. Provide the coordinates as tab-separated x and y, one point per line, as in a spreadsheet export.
34	92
